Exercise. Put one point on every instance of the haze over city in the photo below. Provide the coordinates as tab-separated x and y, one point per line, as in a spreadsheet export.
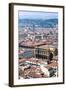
37	15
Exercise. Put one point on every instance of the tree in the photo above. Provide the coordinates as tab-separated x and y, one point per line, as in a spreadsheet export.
56	52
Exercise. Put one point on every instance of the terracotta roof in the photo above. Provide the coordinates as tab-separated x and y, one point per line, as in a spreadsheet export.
53	64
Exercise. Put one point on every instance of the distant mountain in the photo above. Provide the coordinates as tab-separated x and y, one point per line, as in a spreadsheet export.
49	23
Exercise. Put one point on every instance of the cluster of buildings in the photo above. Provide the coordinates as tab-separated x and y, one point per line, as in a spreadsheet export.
34	47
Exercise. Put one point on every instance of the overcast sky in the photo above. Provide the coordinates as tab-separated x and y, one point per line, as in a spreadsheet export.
37	15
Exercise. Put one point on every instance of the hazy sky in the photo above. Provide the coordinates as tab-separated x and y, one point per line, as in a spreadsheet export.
37	15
